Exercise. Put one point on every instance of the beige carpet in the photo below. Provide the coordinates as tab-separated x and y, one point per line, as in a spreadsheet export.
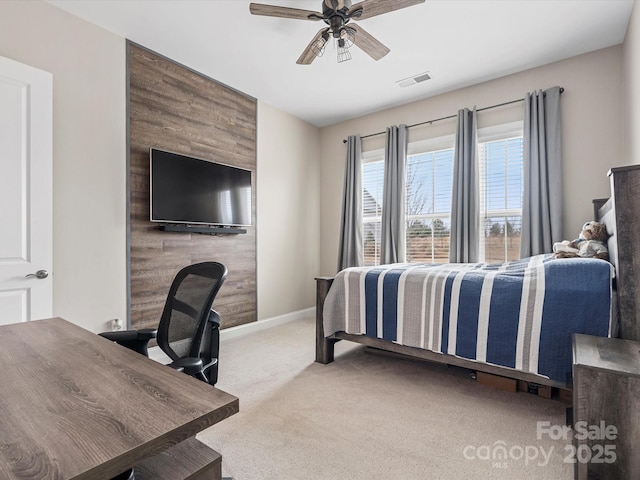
369	416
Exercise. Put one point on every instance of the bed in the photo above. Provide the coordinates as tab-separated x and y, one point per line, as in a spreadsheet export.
515	319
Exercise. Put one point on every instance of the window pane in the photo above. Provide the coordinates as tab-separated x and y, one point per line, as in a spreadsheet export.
501	185
372	177
428	240
429	182
514	227
502	239
371	237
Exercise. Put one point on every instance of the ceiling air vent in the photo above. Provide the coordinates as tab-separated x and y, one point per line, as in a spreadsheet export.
421	77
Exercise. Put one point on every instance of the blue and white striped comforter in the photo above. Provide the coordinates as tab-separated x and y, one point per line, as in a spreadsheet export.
520	314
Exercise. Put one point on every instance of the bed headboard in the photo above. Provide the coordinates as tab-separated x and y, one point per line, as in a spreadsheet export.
621	215
605	214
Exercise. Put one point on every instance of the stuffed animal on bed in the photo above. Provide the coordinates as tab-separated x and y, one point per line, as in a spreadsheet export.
590	244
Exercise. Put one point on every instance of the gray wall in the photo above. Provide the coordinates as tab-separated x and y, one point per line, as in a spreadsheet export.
89	152
89	173
592	109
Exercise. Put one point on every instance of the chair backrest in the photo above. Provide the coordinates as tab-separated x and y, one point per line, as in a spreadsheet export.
187	309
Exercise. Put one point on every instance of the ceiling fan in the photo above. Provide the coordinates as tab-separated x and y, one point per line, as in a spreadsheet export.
338	14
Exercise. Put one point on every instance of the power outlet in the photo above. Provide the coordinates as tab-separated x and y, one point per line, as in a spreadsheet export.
116	324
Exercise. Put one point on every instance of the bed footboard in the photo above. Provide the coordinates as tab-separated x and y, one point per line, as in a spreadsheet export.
324	346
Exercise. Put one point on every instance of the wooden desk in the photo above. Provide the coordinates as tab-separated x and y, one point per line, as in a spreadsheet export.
74	405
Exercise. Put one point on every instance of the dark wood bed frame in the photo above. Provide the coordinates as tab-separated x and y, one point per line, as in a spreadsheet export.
621	215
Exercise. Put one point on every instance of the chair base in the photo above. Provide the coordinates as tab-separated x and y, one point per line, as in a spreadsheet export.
128	475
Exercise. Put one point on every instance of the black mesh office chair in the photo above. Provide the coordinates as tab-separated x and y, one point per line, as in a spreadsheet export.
189	330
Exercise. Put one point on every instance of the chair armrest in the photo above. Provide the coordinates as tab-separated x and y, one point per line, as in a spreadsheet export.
214	318
136	340
189	365
130	335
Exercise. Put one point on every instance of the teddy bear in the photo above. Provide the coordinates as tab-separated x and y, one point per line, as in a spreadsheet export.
591	243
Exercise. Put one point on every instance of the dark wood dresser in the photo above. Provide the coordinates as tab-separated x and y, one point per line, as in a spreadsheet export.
606	408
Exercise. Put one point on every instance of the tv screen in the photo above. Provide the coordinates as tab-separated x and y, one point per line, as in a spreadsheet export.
191	190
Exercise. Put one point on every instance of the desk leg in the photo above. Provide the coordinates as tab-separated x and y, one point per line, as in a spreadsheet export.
189	460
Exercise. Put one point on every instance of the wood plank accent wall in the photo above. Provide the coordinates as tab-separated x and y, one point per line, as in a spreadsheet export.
174	108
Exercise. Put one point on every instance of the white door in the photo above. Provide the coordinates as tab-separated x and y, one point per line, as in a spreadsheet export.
25	193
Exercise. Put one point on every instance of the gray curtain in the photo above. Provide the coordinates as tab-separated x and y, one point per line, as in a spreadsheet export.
394	197
542	202
465	229
351	247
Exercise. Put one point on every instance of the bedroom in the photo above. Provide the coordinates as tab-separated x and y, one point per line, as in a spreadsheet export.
90	144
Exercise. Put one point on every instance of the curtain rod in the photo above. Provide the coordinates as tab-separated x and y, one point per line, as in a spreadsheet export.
450	116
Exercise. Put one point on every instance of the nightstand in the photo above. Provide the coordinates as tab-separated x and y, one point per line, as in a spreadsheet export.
606	408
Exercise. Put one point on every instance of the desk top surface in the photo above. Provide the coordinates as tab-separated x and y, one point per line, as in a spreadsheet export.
74	405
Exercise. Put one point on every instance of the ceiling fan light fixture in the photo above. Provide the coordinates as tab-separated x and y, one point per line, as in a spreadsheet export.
343	51
344	42
348	36
319	45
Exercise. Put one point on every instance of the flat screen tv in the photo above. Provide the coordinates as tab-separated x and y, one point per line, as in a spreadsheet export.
189	190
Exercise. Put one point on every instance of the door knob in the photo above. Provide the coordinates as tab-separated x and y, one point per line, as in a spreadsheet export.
40	274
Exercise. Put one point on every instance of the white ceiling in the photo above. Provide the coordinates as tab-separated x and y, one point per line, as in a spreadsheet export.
460	42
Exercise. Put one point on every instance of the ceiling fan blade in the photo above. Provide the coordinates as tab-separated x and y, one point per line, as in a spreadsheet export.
308	55
372	47
283	12
371	8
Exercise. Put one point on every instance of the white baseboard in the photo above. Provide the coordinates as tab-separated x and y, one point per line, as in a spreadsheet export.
234	332
248	328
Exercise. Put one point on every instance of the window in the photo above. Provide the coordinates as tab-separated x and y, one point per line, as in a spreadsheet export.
372	175
501	188
429	180
429	183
